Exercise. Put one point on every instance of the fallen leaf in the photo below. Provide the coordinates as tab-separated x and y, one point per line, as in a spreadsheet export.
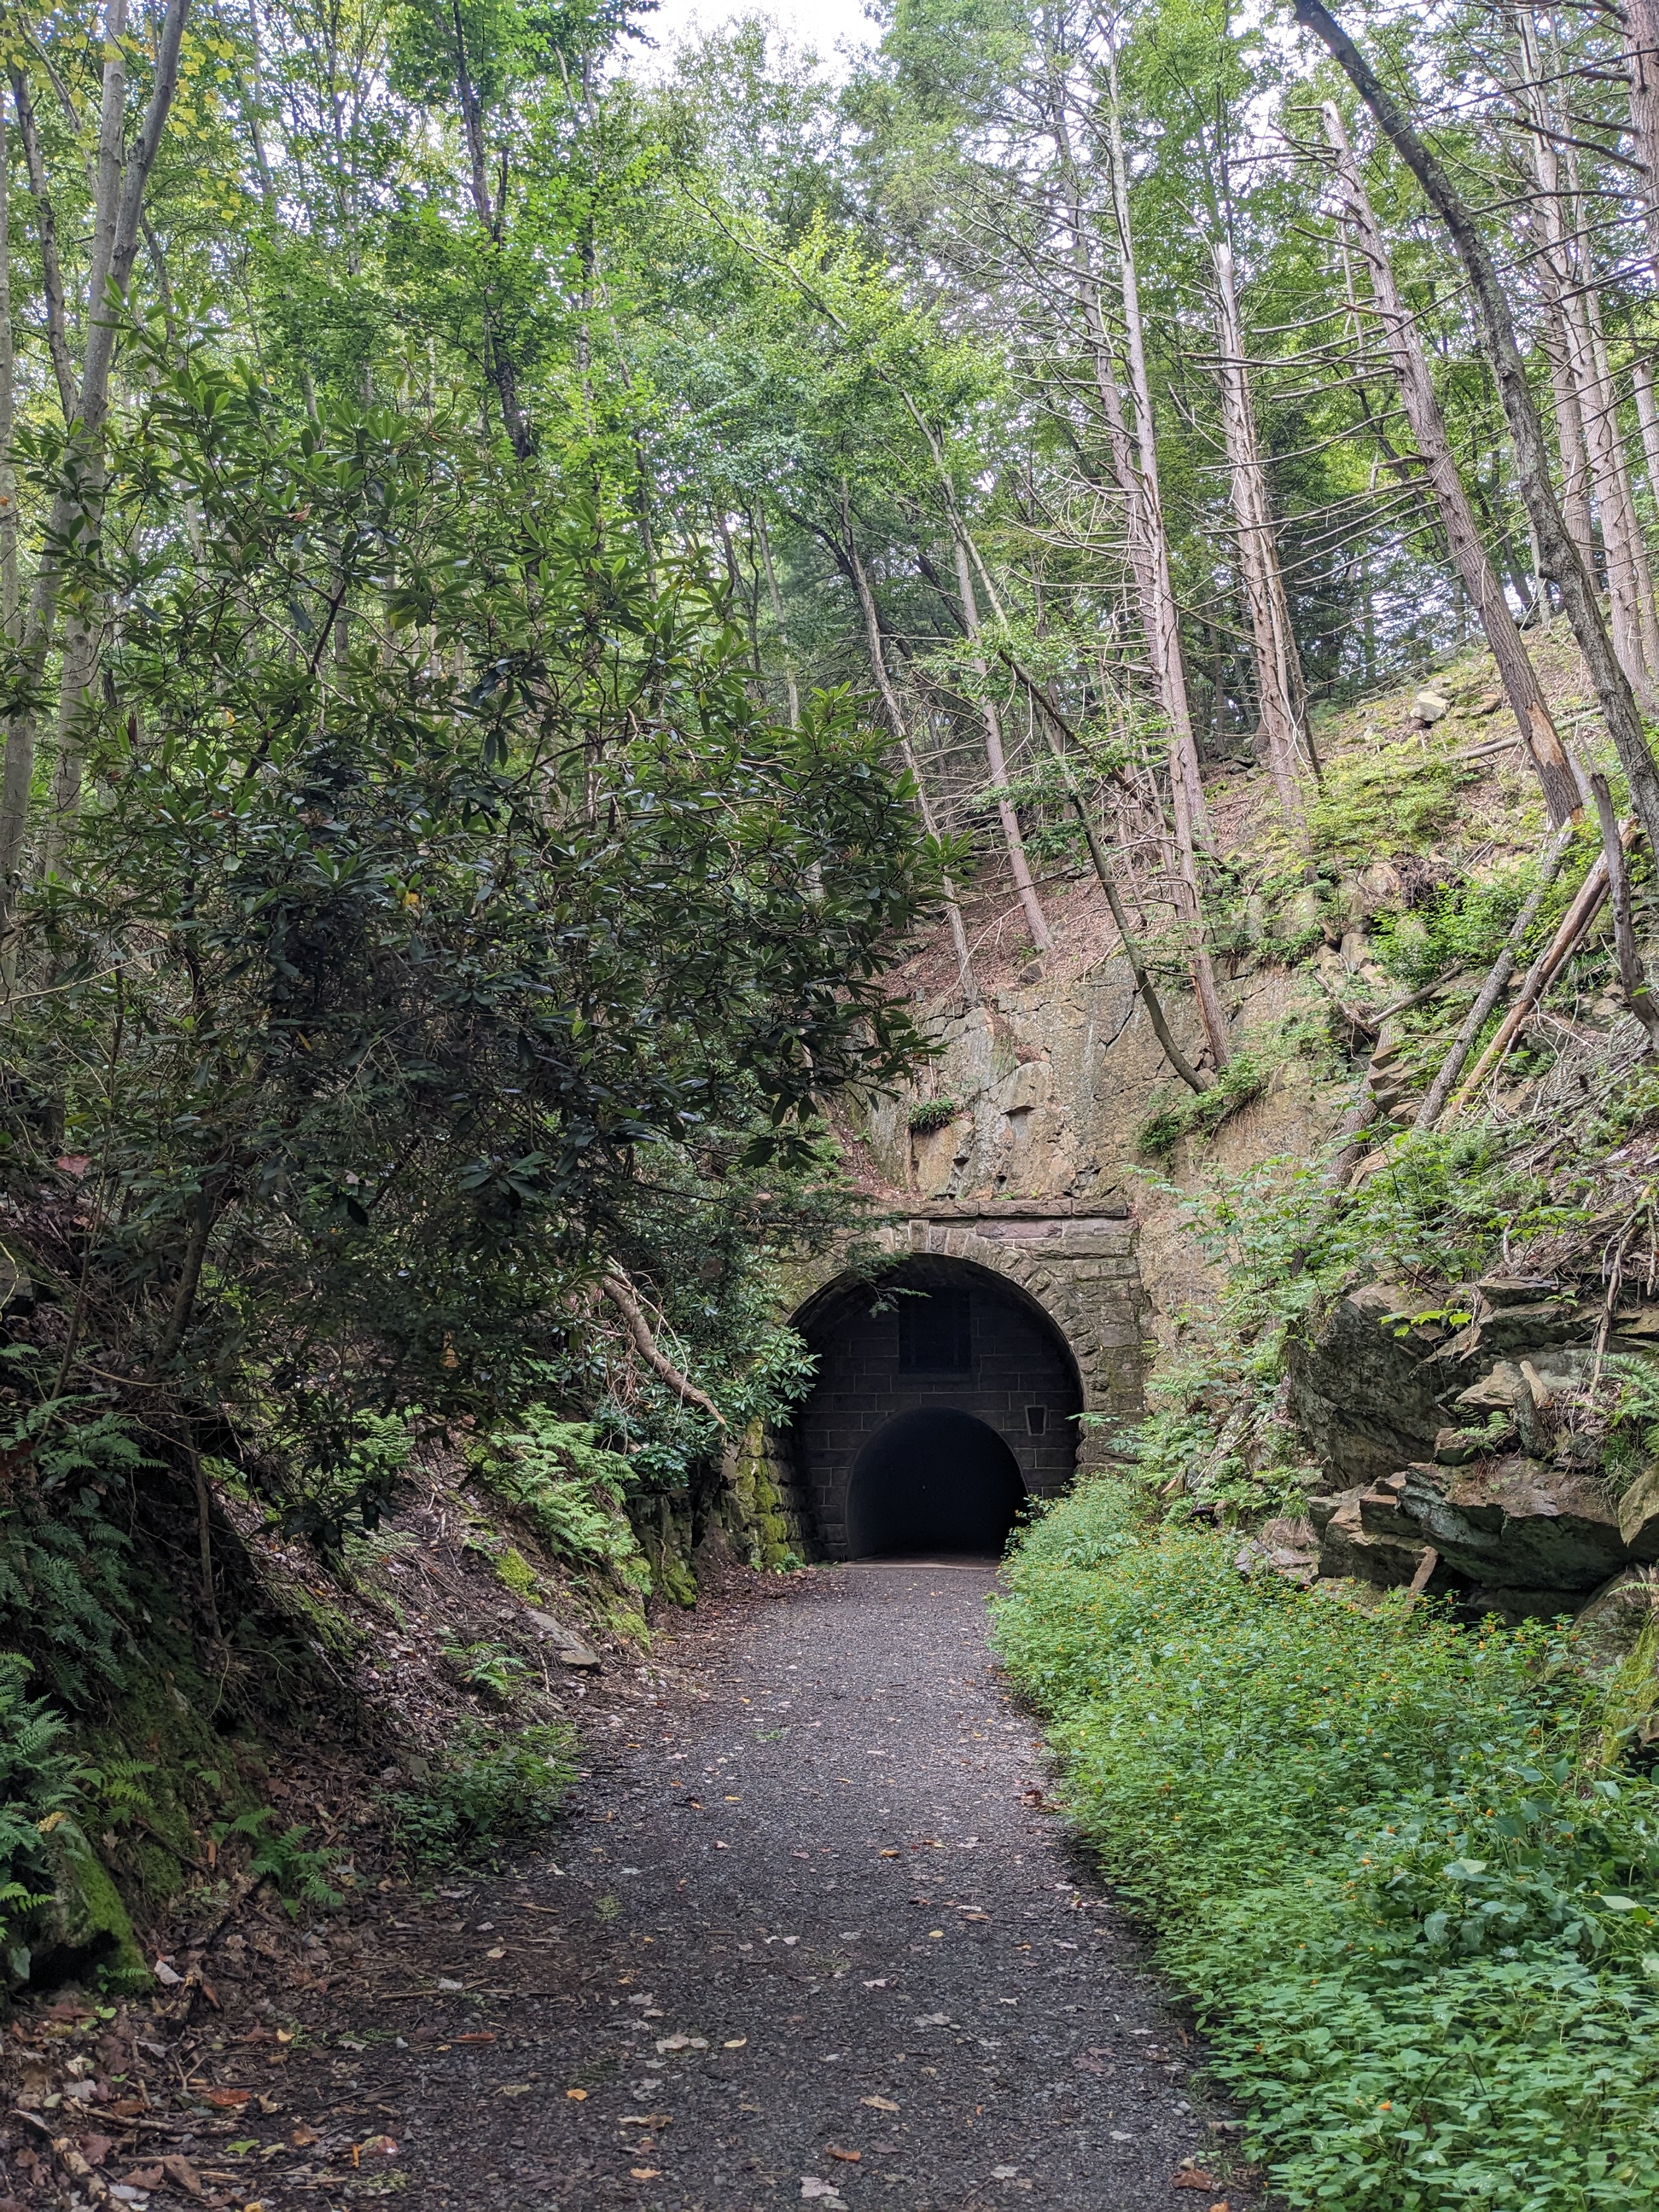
182	2174
975	1915
880	2104
225	2100
514	2089
1192	2177
477	2035
646	2172
383	2144
143	2177
126	2108
96	2148
891	1855
645	2120
933	1932
498	1953
735	2043
302	2137
849	2157
577	2096
165	1975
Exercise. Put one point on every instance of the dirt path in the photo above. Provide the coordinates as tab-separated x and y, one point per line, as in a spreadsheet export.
813	1915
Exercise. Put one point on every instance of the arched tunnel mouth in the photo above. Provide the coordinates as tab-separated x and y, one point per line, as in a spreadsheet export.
936	1482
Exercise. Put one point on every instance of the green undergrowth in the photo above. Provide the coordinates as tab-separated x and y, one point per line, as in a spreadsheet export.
571	1491
490	1786
1201	1113
1379	799
1387	1857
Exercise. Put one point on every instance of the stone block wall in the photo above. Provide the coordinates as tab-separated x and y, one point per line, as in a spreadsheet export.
1058	1313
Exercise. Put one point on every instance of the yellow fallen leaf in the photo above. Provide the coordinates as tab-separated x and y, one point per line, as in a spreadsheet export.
735	2043
881	2104
849	2157
646	2172
890	1855
932	1932
577	2096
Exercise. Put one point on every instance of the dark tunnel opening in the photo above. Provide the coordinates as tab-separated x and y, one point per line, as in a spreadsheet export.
936	1481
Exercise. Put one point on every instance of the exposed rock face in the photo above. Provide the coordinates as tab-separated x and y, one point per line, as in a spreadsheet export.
1363	1395
1516	1521
1448	1420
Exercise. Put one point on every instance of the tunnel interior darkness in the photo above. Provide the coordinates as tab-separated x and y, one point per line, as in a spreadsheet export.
933	1480
942	1395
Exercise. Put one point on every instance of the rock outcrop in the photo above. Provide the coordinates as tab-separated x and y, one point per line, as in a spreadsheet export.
1464	1435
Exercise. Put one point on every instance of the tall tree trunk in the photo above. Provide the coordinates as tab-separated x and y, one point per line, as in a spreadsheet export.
499	361
776	599
900	729
8	401
1280	688
1150	551
1514	668
1642	56
1629	590
1558	555
1647	416
1036	920
1569	426
76	506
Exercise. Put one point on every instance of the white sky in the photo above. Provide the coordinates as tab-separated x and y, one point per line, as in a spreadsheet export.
825	25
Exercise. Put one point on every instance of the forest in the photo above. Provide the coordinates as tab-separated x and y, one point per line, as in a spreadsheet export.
579	617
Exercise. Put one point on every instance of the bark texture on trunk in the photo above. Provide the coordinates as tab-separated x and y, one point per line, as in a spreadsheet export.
1642	56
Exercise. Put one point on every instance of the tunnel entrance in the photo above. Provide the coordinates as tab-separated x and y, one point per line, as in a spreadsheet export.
945	1394
933	1481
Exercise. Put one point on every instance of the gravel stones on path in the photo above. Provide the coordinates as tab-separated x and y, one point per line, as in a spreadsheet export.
806	1938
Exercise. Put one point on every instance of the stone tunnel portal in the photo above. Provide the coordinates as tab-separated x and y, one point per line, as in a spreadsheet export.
945	1397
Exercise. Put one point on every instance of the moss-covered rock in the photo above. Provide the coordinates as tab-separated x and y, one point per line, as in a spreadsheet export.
86	1932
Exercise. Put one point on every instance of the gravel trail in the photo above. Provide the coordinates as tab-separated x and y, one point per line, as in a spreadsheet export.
810	1914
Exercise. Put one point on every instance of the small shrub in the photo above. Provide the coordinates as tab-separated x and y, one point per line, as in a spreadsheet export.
1463	925
1396	798
1201	1113
491	1786
929	1113
64	1563
301	1875
490	1667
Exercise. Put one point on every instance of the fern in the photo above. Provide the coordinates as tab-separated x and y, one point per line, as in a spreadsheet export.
38	1781
571	1490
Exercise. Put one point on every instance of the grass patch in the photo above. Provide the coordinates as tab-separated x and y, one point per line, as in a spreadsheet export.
1416	1909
